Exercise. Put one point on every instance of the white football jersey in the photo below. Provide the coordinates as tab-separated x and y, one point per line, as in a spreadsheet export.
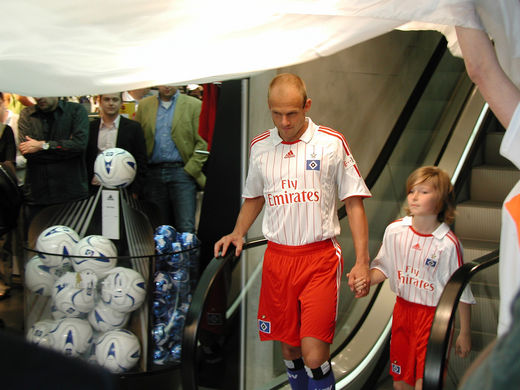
300	182
418	266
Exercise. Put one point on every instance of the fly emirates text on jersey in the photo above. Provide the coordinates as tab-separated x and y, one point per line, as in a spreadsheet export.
290	194
411	276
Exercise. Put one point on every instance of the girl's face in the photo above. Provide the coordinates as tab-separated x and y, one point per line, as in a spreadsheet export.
423	199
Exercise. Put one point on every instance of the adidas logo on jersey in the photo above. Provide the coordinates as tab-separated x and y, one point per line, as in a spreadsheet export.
416	247
289	154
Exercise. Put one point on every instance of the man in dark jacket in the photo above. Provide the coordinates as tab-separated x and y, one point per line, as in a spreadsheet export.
53	138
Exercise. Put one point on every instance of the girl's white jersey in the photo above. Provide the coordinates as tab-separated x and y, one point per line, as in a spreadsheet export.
300	182
418	266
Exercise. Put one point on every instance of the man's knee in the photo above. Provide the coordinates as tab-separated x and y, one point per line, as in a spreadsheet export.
402	385
315	352
290	352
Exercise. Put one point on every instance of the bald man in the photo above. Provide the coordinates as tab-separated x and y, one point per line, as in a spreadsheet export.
295	171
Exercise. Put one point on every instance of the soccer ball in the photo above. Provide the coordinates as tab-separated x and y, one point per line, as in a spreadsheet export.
71	336
57	240
39	333
95	253
163	284
115	168
103	318
38	277
118	350
123	289
74	293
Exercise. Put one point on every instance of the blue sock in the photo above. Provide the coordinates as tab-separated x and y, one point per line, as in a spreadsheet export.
321	378
298	378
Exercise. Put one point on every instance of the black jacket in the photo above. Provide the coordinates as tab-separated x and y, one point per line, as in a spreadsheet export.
58	174
129	137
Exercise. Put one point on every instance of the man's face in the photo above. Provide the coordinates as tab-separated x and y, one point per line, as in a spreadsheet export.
110	104
166	92
47	103
288	112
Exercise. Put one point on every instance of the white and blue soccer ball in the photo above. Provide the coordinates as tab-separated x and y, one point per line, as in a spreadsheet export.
74	293
118	350
39	333
39	277
123	289
95	253
103	318
56	243
71	336
115	168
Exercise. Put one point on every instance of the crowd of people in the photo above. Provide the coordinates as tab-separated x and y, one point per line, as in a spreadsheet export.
53	143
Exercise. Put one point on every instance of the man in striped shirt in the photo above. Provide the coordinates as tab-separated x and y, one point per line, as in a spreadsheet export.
297	170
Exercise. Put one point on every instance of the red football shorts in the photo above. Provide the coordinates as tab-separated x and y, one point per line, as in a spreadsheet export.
411	326
300	291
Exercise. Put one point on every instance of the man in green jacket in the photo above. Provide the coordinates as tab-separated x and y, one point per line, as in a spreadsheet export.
176	153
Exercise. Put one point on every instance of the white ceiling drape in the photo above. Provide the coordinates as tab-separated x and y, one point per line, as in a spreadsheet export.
71	48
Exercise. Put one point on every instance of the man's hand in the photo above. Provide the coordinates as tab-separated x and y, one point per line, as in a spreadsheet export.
30	145
222	245
359	280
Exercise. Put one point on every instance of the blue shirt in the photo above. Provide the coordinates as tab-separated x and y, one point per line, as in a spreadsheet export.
164	149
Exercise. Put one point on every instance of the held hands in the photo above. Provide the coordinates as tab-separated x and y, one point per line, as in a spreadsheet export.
359	280
360	285
222	245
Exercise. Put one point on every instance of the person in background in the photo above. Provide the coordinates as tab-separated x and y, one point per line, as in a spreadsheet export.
7	136
16	103
296	170
7	161
131	99
8	117
175	153
497	366
504	100
418	255
195	90
112	130
53	138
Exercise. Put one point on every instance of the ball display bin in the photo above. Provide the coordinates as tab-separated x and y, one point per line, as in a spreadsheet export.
152	307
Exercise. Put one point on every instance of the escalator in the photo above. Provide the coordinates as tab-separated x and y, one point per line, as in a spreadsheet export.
422	136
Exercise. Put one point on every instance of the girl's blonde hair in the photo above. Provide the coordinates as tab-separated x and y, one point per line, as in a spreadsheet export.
440	180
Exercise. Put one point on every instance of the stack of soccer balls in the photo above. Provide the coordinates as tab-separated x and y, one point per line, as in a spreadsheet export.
92	298
115	168
174	281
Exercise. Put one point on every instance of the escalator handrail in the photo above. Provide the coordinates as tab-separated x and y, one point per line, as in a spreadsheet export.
194	317
439	342
216	265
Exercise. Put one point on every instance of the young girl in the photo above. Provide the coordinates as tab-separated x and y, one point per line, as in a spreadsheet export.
418	255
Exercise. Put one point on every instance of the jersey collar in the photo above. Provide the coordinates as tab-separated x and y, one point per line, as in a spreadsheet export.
306	137
438	233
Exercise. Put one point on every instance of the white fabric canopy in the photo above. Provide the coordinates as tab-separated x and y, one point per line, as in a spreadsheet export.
72	48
